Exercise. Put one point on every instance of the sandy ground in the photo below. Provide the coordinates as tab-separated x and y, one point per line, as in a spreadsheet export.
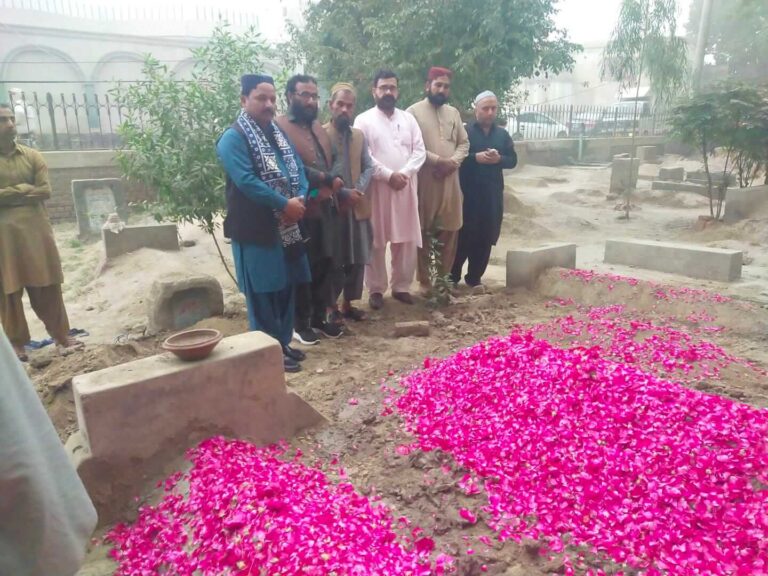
565	204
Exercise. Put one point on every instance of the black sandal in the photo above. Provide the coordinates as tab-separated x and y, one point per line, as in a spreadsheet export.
355	314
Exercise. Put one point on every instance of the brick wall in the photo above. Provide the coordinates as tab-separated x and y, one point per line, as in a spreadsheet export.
63	167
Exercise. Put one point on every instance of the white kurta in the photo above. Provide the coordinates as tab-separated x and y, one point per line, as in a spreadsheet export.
46	517
396	145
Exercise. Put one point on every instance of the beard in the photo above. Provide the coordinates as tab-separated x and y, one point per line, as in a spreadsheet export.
343	123
302	113
437	99
386	102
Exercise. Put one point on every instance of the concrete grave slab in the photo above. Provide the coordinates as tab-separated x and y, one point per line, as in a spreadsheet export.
647	154
744	203
132	238
136	417
624	174
525	264
177	301
676	174
680	187
676	258
95	200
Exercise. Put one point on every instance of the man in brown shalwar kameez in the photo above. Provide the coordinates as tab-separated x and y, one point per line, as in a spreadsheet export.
29	259
447	145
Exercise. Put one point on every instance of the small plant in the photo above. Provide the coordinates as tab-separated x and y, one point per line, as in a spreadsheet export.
441	283
171	126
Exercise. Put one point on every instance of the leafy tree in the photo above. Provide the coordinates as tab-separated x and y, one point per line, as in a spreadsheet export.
171	127
732	119
643	47
489	45
738	36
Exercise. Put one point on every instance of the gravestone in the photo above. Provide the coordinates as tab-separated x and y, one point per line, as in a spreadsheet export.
524	265
647	154
676	174
94	201
178	301
131	238
744	203
624	174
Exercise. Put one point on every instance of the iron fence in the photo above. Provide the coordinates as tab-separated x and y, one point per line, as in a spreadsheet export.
547	121
67	121
90	121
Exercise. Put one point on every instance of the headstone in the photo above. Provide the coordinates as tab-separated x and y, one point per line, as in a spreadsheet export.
131	238
676	174
137	417
743	203
647	154
525	264
95	200
177	301
685	259
624	174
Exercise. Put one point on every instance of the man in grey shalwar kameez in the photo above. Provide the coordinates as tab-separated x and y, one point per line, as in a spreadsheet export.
46	516
351	161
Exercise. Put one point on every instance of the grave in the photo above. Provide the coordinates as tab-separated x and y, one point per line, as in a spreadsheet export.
676	258
744	203
131	238
525	264
676	174
624	174
136	418
94	201
700	177
647	154
681	187
177	301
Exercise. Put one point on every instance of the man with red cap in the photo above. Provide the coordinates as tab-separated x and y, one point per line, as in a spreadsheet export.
447	144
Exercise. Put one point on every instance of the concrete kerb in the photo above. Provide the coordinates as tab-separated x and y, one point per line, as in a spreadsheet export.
137	417
524	265
177	301
676	258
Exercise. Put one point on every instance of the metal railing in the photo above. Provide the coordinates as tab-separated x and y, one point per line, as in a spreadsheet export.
547	121
67	121
90	121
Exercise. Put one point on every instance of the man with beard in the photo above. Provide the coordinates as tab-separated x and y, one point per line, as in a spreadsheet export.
353	162
265	189
439	192
397	149
29	259
315	303
482	181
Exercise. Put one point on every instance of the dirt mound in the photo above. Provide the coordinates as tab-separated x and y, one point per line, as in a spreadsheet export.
53	380
513	204
523	227
754	232
672	200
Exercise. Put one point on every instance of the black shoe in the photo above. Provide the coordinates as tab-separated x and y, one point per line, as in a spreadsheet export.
294	354
306	336
404	297
376	301
329	329
290	365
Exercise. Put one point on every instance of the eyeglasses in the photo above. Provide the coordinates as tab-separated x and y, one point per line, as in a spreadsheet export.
308	95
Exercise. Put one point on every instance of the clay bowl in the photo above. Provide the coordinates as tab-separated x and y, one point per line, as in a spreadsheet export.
193	344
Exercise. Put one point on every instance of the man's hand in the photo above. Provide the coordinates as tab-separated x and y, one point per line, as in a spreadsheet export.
293	211
324	192
355	196
398	181
445	167
338	184
491	156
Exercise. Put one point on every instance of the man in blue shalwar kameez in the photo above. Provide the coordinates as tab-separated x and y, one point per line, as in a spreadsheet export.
265	191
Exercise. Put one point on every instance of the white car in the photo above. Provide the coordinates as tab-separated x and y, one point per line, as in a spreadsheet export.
535	126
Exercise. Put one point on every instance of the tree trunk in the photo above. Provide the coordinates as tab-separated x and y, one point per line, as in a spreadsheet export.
221	255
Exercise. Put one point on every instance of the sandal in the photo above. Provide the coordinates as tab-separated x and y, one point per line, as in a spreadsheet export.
355	314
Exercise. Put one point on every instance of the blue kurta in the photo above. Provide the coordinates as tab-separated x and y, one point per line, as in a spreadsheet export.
264	275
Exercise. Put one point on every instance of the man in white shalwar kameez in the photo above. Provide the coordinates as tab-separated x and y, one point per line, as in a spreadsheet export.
46	516
397	149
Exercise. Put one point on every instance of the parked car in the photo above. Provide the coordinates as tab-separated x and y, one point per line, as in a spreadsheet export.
529	125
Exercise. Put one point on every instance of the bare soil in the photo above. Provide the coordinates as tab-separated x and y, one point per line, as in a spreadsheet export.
549	204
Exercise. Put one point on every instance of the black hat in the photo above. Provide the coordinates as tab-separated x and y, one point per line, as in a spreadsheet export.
249	81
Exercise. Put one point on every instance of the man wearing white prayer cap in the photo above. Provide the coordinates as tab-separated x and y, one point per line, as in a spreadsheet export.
491	151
